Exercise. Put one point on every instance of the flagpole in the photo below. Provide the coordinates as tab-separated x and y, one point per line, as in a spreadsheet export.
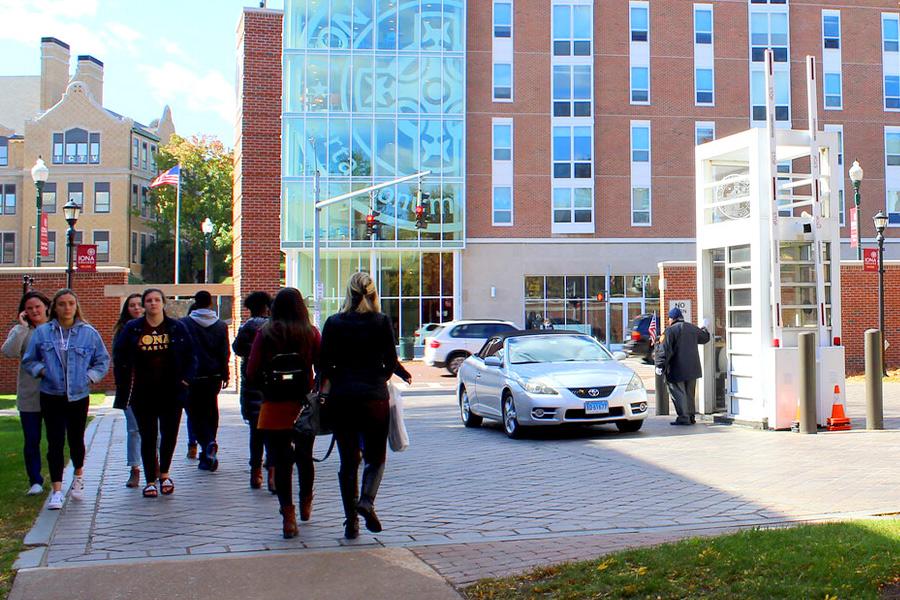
177	224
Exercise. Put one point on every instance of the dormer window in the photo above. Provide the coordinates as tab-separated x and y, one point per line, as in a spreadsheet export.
4	151
76	147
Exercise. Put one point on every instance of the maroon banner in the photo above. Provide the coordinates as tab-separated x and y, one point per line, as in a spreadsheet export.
45	238
86	257
854	227
870	259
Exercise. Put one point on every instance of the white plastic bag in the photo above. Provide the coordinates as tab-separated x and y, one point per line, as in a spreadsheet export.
398	438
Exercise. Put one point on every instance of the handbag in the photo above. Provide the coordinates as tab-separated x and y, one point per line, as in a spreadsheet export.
313	420
398	437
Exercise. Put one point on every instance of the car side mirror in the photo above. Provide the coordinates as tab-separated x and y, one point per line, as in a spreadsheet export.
619	355
493	361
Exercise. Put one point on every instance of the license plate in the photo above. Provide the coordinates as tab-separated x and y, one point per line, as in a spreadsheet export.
596	407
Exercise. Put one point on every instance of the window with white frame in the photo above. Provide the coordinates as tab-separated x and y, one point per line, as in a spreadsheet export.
892	91
640	206
639	21
8	248
503	19
572	29
839	176
890	35
572	86
758	96
76	193
502	149
135	152
769	29
572	152
892	173
704	131
101	239
51	247
703	24
9	199
640	173
502	82
573	205
833	97
101	197
639	51
502	205
640	85
892	147
640	143
890	41
831	30
144	155
703	82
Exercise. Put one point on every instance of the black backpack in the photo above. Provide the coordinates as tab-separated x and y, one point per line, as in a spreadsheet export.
286	378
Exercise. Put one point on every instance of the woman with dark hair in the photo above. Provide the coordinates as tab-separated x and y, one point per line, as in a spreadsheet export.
67	355
288	334
251	396
358	357
132	308
32	313
154	362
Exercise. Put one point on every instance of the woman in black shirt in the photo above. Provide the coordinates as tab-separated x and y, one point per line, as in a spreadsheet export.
358	357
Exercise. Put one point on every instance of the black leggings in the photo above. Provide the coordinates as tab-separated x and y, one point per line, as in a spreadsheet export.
157	415
287	449
203	409
258	443
361	431
64	419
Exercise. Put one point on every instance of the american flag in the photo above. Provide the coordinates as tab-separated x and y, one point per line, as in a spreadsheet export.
651	331
170	177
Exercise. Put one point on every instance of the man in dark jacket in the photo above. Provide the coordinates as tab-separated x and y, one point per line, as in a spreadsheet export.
210	337
678	359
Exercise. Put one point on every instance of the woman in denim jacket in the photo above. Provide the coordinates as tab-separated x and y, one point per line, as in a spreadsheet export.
67	355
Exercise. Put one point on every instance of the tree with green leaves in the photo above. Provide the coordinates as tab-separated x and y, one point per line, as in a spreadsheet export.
206	191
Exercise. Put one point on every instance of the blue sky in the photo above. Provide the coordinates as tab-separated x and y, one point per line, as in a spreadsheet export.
180	53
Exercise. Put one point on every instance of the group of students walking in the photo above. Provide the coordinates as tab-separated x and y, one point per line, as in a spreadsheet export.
163	366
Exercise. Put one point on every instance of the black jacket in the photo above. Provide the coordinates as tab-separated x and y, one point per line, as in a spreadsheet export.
211	346
124	348
251	396
359	355
677	356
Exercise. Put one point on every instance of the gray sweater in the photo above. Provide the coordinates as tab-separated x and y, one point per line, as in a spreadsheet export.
28	389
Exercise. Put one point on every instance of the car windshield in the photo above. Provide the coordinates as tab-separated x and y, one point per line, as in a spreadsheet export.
555	348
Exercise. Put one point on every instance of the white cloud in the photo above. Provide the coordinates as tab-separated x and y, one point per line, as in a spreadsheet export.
175	84
172	48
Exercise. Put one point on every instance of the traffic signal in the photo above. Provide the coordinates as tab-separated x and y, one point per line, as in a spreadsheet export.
421	215
373	227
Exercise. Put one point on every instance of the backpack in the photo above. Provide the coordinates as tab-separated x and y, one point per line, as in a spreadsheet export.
286	378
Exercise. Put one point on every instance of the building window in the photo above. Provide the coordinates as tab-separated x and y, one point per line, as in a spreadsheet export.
839	178
4	151
48	198
573	205
9	199
769	30
101	239
101	197
144	155
891	91
153	158
703	80
134	247
889	32
76	146
51	247
502	82
502	210
7	248
704	132
640	206
572	31
640	143
58	148
833	98
76	193
758	96
831	31
640	22
78	237
143	244
572	90
502	19
572	152
95	148
703	25
892	148
640	85
135	202
135	152
145	203
502	142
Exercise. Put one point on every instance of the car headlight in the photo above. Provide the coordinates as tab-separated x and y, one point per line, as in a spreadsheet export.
538	387
635	384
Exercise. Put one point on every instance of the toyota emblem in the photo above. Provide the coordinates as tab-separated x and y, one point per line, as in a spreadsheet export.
593	392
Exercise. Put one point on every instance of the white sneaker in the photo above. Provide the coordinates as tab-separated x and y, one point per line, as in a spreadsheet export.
35	490
78	488
56	501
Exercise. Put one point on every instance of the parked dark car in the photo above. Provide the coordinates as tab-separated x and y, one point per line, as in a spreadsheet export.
638	341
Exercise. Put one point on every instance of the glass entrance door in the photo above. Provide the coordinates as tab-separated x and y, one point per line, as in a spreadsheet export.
621	314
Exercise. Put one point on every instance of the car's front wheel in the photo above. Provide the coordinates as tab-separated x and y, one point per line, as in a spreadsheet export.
510	418
629	426
468	418
454	362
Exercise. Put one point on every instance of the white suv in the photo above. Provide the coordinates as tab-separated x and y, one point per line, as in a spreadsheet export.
455	341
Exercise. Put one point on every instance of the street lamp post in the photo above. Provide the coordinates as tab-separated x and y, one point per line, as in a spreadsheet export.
70	210
207	228
39	173
856	176
881	222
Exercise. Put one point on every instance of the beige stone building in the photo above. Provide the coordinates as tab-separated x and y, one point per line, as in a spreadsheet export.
102	160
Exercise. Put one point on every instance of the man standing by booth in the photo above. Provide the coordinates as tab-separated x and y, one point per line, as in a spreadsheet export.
677	358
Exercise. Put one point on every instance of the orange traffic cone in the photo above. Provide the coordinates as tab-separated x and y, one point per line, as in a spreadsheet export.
838	420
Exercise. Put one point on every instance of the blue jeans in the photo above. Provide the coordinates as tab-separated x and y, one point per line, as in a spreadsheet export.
31	427
132	439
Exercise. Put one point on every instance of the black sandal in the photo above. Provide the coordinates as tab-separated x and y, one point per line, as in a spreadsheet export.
167	486
150	491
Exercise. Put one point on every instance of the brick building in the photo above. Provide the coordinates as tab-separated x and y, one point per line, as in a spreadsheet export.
572	175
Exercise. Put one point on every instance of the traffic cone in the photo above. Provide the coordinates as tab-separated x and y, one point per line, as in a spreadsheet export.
838	420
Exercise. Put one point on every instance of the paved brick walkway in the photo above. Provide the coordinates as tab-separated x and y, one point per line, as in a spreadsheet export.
472	503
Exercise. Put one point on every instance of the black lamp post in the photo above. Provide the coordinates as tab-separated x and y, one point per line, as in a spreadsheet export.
881	222
856	175
39	173
207	228
71	210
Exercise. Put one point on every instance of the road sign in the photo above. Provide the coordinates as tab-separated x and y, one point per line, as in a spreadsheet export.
854	227
870	259
684	305
86	257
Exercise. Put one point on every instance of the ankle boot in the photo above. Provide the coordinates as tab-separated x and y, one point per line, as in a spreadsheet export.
306	501
372	475
255	478
271	481
289	522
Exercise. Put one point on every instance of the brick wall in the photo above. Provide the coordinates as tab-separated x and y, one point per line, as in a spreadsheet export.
859	305
98	310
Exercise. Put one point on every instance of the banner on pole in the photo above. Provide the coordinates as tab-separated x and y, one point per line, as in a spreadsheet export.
854	227
86	257
45	236
870	259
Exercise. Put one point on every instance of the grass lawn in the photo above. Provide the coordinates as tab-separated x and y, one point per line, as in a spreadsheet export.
9	400
830	561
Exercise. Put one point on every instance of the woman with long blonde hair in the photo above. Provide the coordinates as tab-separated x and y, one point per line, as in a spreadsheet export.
358	357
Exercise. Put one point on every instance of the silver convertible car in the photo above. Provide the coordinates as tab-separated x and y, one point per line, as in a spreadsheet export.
538	378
